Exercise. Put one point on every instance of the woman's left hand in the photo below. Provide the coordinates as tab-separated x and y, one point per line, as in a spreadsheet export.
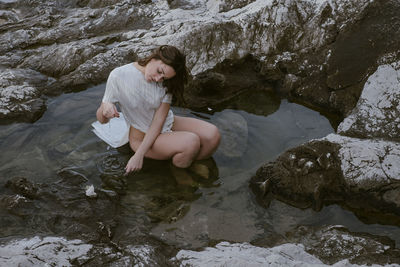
135	163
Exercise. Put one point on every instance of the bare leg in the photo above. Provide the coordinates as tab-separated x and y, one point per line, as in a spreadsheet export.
180	146
208	133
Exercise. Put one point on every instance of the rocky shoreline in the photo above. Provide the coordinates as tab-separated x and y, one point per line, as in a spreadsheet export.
297	46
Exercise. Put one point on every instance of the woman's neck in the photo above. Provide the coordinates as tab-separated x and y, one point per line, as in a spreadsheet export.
141	68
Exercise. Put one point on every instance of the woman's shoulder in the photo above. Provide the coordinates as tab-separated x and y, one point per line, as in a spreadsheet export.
127	68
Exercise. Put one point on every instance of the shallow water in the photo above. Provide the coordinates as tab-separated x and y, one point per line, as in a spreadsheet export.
220	209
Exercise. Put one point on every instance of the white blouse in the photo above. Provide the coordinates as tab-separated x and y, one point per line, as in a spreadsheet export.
137	98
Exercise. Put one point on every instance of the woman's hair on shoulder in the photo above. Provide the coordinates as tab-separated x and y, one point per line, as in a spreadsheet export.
171	56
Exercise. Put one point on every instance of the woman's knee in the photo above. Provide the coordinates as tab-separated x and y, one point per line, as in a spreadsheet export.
212	138
191	147
191	144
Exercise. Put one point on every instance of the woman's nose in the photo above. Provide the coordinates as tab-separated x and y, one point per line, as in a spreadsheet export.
159	78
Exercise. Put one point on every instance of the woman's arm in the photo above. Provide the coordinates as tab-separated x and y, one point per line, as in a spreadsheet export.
136	161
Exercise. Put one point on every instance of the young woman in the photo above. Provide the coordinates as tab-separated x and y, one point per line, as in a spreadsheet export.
144	91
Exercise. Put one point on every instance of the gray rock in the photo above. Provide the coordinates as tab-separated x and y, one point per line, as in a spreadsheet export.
244	254
320	246
60	251
52	251
333	244
366	163
360	174
362	170
20	91
93	37
377	114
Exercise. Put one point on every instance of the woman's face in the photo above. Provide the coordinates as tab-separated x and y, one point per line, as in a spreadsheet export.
158	71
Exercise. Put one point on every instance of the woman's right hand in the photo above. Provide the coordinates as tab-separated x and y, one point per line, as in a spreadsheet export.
110	110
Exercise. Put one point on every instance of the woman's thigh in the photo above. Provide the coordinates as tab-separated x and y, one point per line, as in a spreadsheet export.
199	127
168	144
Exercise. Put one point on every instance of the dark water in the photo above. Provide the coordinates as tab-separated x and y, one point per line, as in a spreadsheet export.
222	209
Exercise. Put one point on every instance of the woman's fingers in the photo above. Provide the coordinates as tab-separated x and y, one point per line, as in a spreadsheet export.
110	110
134	164
129	170
116	114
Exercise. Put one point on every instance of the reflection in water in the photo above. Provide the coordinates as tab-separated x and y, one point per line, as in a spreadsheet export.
255	128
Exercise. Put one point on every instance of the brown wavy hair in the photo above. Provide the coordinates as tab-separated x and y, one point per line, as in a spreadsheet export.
171	56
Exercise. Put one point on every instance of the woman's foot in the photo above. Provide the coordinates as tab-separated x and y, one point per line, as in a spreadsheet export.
182	176
200	169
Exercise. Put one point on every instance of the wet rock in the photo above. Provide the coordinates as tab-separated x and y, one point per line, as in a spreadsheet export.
23	187
170	212
359	174
306	176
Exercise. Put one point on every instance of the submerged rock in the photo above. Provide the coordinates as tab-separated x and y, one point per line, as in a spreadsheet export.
305	176
69	223
233	142
61	208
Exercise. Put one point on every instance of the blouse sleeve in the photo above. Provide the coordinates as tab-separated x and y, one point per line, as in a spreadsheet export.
110	95
167	98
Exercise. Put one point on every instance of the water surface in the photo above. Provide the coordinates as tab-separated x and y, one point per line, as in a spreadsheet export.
190	217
